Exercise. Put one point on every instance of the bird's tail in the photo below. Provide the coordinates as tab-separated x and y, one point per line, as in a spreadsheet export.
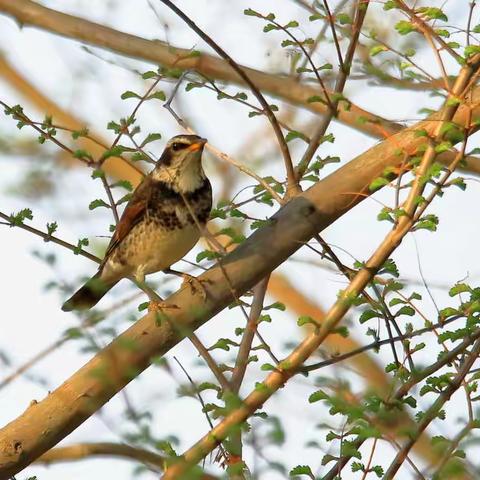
88	295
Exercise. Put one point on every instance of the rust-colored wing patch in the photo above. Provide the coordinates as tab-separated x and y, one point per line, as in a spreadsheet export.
131	216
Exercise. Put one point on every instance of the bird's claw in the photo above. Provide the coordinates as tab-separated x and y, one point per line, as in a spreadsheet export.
159	306
196	285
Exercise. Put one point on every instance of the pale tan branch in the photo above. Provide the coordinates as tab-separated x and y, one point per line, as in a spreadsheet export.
115	166
288	367
28	13
45	423
85	451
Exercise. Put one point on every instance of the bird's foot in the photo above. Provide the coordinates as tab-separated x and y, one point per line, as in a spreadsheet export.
160	309
160	306
195	284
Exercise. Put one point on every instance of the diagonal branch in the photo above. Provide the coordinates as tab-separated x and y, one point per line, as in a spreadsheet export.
86	451
45	423
26	12
292	185
433	411
288	368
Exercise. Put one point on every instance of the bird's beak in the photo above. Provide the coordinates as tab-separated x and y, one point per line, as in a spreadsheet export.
194	147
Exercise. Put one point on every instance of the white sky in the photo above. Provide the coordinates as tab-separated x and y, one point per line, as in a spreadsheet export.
31	318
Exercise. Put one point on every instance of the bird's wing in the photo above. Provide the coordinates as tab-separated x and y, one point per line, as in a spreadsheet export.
133	213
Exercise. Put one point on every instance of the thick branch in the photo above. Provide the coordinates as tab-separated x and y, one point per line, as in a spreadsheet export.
288	367
85	451
45	423
26	12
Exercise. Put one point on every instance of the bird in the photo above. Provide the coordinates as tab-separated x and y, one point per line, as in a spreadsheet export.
161	223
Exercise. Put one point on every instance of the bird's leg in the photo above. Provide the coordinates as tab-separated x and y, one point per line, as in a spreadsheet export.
193	282
156	302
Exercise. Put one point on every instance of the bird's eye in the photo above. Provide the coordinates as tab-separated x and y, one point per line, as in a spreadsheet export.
178	146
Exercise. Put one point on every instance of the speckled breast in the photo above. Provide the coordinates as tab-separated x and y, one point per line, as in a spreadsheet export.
170	229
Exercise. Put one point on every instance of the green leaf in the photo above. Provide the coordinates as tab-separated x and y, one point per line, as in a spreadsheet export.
82	154
73	333
421	133
151	137
448	312
459	182
192	85
344	19
433	13
252	13
17	219
357	467
129	94
317	396
260	223
291	24
471	50
427	222
277	306
378	470
149	74
443	147
459	288
233	234
159	95
80	133
316	98
301	470
143	306
342	331
378	183
378	49
52	228
207	254
98	203
405	310
305	319
269	27
390	268
82	242
124	184
241	96
223	344
114	126
367	315
292	134
266	367
403	27
116	151
138	156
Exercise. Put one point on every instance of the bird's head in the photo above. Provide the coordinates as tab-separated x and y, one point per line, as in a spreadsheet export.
181	163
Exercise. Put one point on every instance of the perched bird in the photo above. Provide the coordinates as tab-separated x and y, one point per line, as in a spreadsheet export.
161	223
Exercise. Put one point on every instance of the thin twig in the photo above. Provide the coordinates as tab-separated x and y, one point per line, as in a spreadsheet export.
212	364
113	205
375	345
241	362
432	412
50	238
223	156
315	140
291	177
304	350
